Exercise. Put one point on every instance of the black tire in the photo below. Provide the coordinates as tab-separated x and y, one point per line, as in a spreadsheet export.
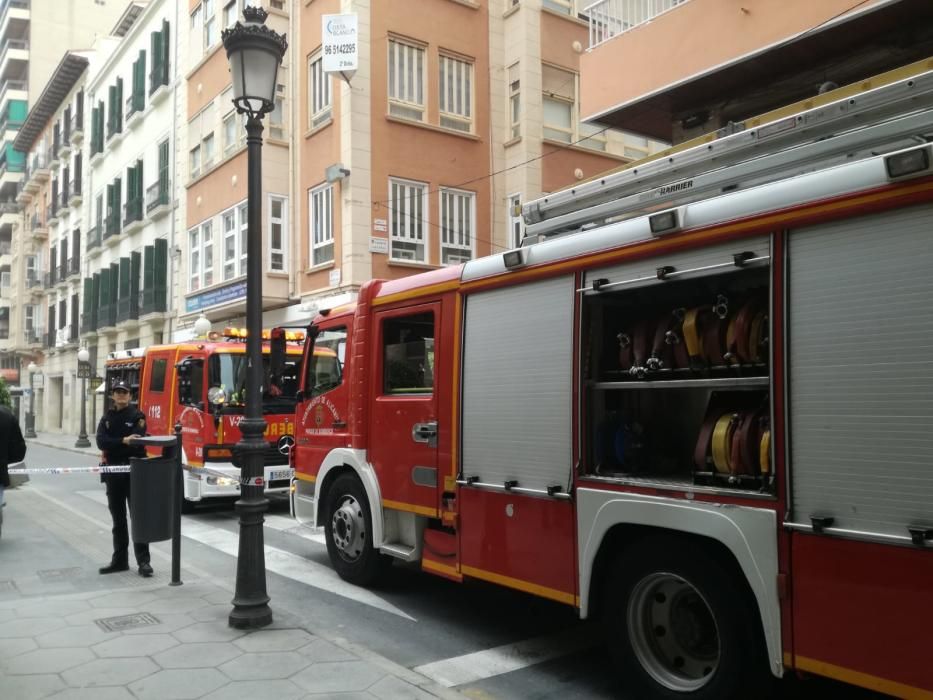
680	625
348	531
187	507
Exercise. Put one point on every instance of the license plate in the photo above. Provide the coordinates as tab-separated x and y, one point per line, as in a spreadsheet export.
278	474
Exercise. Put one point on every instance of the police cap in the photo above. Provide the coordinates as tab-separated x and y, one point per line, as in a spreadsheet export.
120	385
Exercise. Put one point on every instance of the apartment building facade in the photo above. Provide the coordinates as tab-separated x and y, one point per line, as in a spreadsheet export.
457	113
213	166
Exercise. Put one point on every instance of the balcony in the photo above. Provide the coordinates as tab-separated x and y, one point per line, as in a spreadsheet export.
74	199
67	335
132	215
50	339
34	336
89	323
77	129
157	200
14	59
12	90
609	18
54	160
61	278
63	145
94	238
38	171
14	17
153	301
52	214
38	228
111	227
134	109
74	266
107	316
33	283
128	309
65	199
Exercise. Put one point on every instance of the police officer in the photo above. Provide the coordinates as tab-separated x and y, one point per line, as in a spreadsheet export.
116	433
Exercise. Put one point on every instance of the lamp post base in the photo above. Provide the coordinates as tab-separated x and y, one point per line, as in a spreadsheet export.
82	441
250	617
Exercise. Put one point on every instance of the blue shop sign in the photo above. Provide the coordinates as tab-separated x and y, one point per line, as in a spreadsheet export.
216	296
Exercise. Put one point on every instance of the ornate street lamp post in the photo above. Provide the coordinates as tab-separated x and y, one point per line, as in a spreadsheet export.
31	415
84	371
255	53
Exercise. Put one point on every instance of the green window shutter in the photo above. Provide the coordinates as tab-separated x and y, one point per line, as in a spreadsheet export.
124	289
139	180
93	130
104	280
135	263
163	169
148	267
114	289
95	299
112	110
155	48
88	304
161	273
139	81
109	202
119	113
165	48
117	200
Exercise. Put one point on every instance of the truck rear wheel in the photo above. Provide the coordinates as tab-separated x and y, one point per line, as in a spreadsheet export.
348	532
679	625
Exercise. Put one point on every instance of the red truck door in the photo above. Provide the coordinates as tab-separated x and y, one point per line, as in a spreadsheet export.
404	408
155	391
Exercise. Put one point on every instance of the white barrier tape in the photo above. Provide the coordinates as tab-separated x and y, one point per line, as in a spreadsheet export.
199	472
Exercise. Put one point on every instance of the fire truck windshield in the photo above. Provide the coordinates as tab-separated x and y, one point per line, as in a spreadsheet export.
228	371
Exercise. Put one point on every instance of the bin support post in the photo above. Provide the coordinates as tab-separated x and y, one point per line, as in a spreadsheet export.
176	511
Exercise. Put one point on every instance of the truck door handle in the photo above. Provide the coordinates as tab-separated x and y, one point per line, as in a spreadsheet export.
339	424
425	432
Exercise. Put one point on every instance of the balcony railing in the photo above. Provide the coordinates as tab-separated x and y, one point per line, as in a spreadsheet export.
50	339
153	300
74	265
128	308
609	18
76	127
12	44
132	211
89	322
94	237
107	315
156	195
75	187
66	195
33	281
33	335
111	225
11	84
131	108
63	271
49	278
38	166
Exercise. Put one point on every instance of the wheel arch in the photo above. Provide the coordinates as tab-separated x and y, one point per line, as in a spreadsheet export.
744	540
348	461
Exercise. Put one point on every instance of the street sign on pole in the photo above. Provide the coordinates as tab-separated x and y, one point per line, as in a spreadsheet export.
84	370
340	44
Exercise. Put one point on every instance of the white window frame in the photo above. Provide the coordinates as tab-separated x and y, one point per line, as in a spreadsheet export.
408	221
455	92
282	223
407	93
230	144
321	224
210	20
243	214
194	259
233	234
230	19
194	162
278	116
457	211
515	102
515	222
319	89
201	256
207	152
565	7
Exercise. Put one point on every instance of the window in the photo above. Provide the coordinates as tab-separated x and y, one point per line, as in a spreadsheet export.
319	89
325	366
207	151
406	80
32	268
515	221
515	102
592	136
231	133
194	162
563	6
277	116
457	217
321	224
210	24
408	215
230	13
244	230
200	256
157	382
408	354
231	244
455	93
278	213
558	87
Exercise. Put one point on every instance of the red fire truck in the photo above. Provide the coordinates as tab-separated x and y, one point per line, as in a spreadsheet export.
201	385
697	403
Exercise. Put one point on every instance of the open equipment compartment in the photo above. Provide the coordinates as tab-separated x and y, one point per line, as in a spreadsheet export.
675	365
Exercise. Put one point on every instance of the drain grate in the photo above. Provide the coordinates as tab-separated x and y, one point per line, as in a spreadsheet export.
59	574
126	622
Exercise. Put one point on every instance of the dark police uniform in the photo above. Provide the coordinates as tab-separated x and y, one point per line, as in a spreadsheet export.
113	427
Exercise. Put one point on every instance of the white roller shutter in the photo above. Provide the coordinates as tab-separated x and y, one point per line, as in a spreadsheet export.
517	381
861	371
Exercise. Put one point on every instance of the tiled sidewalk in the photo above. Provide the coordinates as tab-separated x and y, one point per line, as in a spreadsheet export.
158	642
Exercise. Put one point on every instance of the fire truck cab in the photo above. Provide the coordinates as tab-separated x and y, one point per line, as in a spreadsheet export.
696	404
201	385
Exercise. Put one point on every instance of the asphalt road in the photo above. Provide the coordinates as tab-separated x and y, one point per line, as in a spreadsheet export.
483	640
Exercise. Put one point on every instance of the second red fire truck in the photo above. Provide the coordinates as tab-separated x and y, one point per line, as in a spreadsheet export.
201	385
696	405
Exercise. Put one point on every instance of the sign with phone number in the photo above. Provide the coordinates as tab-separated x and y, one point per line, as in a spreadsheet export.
339	45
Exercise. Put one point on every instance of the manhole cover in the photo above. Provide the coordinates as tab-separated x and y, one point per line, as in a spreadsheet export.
7	586
126	622
59	574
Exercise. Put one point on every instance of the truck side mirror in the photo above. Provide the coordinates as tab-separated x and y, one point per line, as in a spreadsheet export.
276	353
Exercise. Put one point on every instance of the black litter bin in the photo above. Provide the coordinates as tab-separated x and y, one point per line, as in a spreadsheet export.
152	494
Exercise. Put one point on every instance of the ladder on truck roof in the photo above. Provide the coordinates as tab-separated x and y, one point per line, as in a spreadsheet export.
879	120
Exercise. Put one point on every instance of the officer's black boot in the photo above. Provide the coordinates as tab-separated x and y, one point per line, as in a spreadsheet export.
114	566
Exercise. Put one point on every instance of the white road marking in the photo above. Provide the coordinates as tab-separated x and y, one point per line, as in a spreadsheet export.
479	665
278	561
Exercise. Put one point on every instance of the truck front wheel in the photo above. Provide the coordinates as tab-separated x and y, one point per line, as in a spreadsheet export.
679	625
348	532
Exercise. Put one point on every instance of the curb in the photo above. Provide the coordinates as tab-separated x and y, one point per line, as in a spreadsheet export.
78	450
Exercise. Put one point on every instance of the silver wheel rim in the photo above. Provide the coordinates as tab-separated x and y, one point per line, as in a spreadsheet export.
673	632
348	529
